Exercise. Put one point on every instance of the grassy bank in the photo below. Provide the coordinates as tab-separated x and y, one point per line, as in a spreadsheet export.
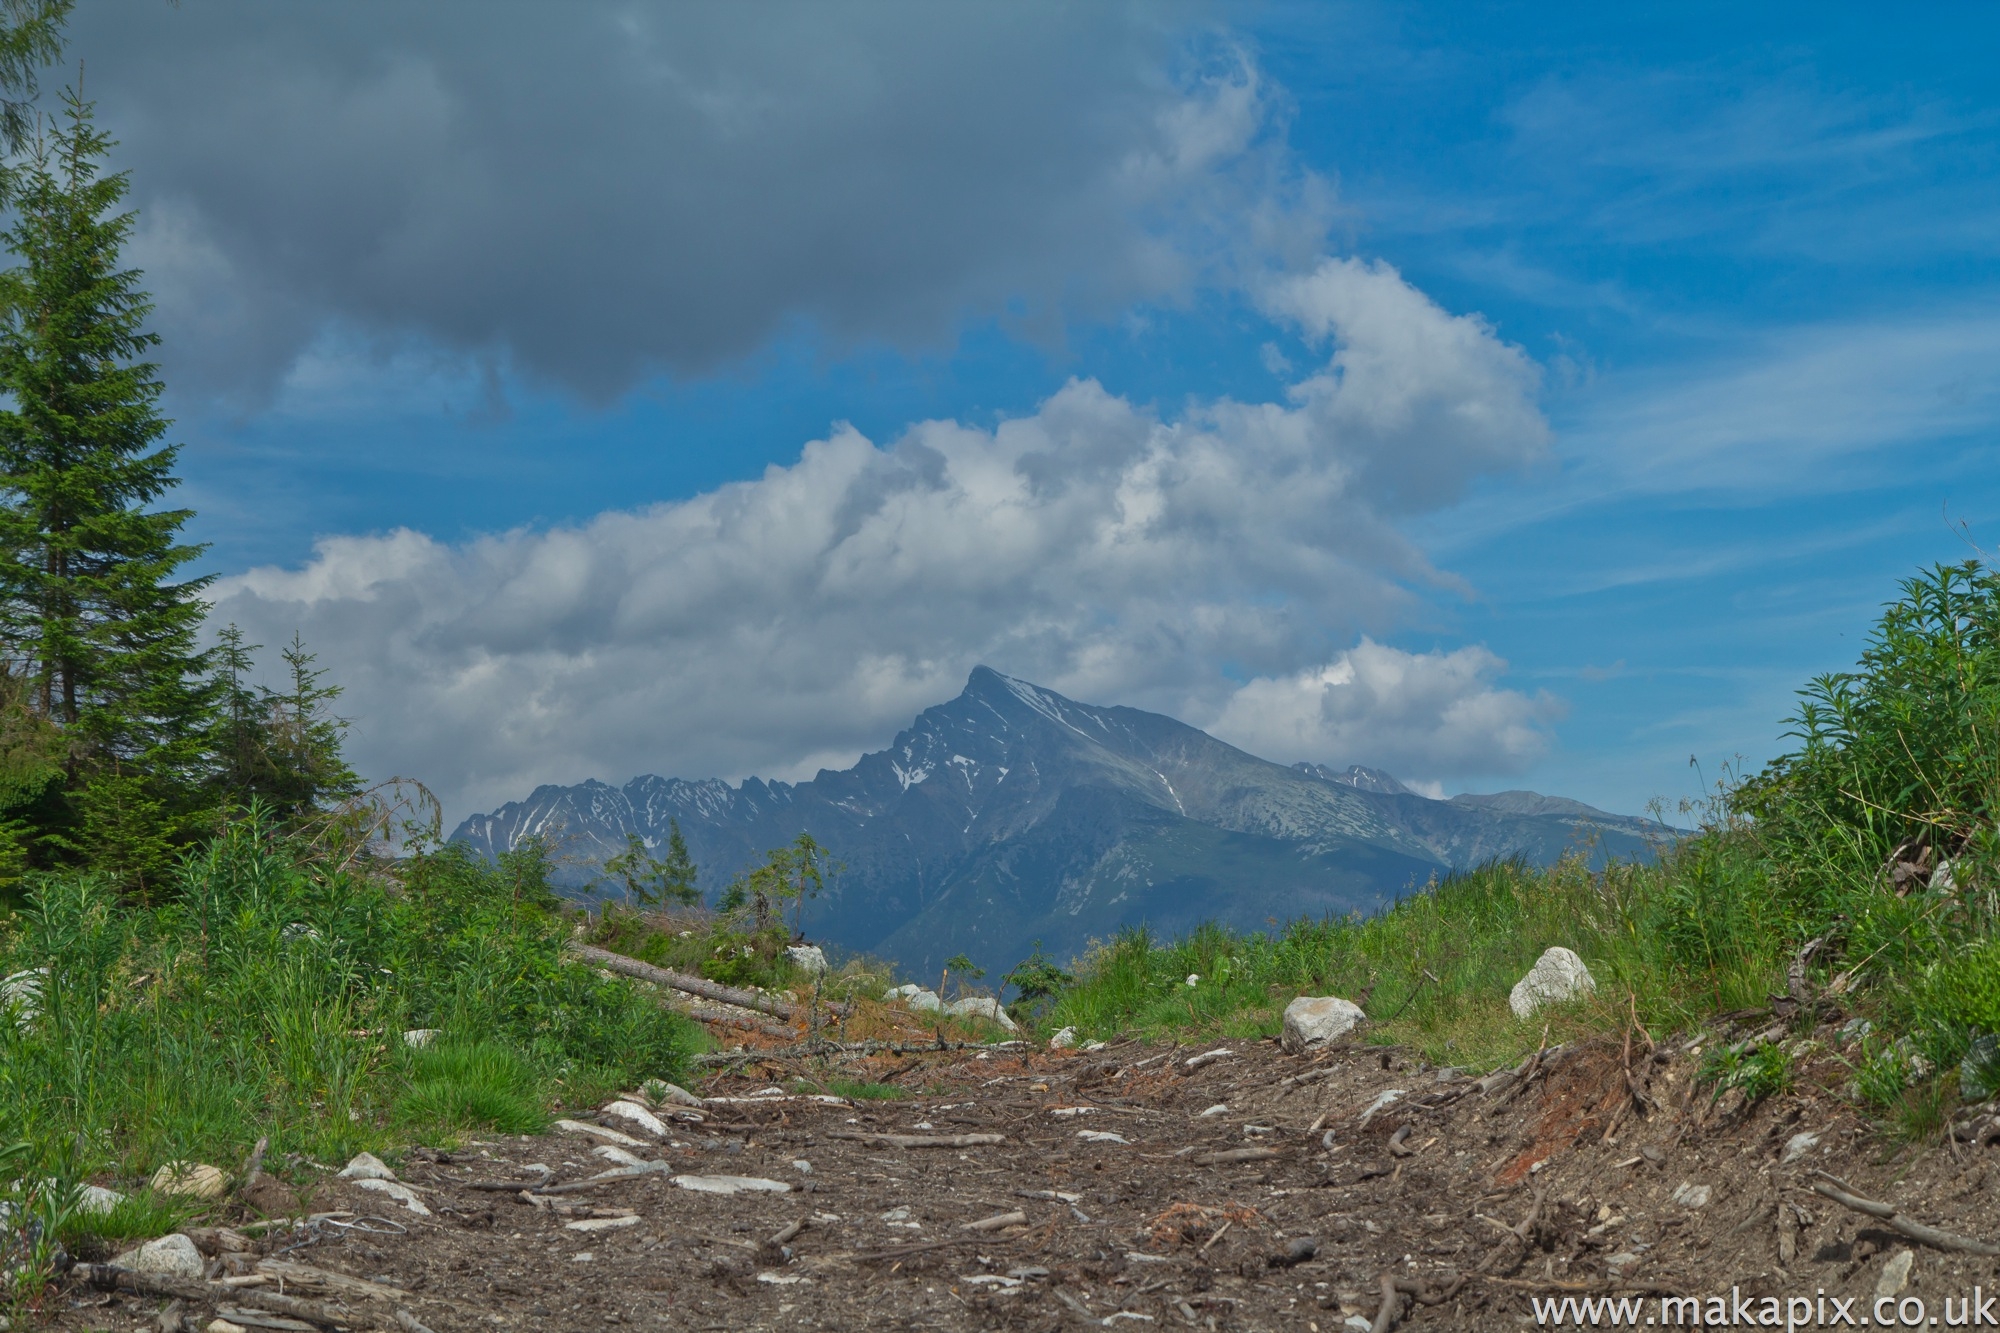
268	997
1870	849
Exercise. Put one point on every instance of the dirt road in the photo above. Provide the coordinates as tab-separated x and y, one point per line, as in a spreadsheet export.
1150	1186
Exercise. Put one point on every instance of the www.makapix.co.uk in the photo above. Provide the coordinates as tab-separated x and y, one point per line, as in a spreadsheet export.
1820	1310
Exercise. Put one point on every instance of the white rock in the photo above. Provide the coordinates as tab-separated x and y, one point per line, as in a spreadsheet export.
924	1001
1315	1020
366	1166
192	1180
808	958
731	1184
601	1223
1798	1146
1101	1136
95	1200
22	993
612	1153
601	1133
982	1006
802	1166
1895	1274
637	1116
169	1256
396	1190
418	1038
777	1279
1382	1101
902	992
1220	1108
1693	1196
1093	1046
1063	1040
1557	975
669	1094
221	1325
1358	1323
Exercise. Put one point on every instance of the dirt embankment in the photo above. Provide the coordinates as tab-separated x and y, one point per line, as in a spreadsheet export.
1139	1185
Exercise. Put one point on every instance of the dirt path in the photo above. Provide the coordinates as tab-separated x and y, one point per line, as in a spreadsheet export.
1479	1198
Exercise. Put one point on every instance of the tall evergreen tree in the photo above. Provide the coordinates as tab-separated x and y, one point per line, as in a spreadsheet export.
94	612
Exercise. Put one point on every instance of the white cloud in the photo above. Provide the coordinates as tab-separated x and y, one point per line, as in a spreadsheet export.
1425	715
773	624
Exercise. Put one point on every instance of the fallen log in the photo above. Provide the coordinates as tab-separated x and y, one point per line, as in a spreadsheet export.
1833	1187
702	986
110	1277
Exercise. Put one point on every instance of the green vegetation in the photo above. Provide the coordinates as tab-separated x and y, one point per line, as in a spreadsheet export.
1873	842
651	881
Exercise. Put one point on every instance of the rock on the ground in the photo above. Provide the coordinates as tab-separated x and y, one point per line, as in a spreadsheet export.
808	958
1798	1146
636	1115
169	1256
1895	1274
1979	1071
22	993
1693	1196
1316	1020
664	1093
602	1133
915	997
419	1038
1557	975
192	1180
396	1190
95	1200
1063	1040
982	1006
366	1166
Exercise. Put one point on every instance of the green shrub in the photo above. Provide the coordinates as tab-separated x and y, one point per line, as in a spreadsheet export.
460	1085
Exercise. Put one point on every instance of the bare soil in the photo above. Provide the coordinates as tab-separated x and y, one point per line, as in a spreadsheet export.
1562	1183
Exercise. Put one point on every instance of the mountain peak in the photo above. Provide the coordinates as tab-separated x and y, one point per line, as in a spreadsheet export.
1359	777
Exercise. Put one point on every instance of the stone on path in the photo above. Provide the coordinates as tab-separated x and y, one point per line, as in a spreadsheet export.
808	958
396	1190
366	1166
1557	975
169	1256
1315	1020
1895	1274
638	1116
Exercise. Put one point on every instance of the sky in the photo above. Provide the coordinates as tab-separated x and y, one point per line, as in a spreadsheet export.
1500	395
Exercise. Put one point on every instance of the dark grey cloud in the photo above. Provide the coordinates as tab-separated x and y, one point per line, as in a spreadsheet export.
594	192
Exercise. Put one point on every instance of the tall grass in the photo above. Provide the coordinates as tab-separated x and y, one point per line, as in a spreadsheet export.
268	996
1689	935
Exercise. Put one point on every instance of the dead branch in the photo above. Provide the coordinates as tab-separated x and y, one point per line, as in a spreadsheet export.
1833	1187
706	989
110	1277
920	1140
1017	1218
1230	1156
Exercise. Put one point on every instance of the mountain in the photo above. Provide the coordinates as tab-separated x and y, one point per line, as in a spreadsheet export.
1012	815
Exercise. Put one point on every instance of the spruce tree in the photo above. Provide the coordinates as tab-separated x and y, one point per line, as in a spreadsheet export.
94	610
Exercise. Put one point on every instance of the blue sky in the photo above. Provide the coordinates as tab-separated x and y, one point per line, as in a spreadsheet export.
1744	259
